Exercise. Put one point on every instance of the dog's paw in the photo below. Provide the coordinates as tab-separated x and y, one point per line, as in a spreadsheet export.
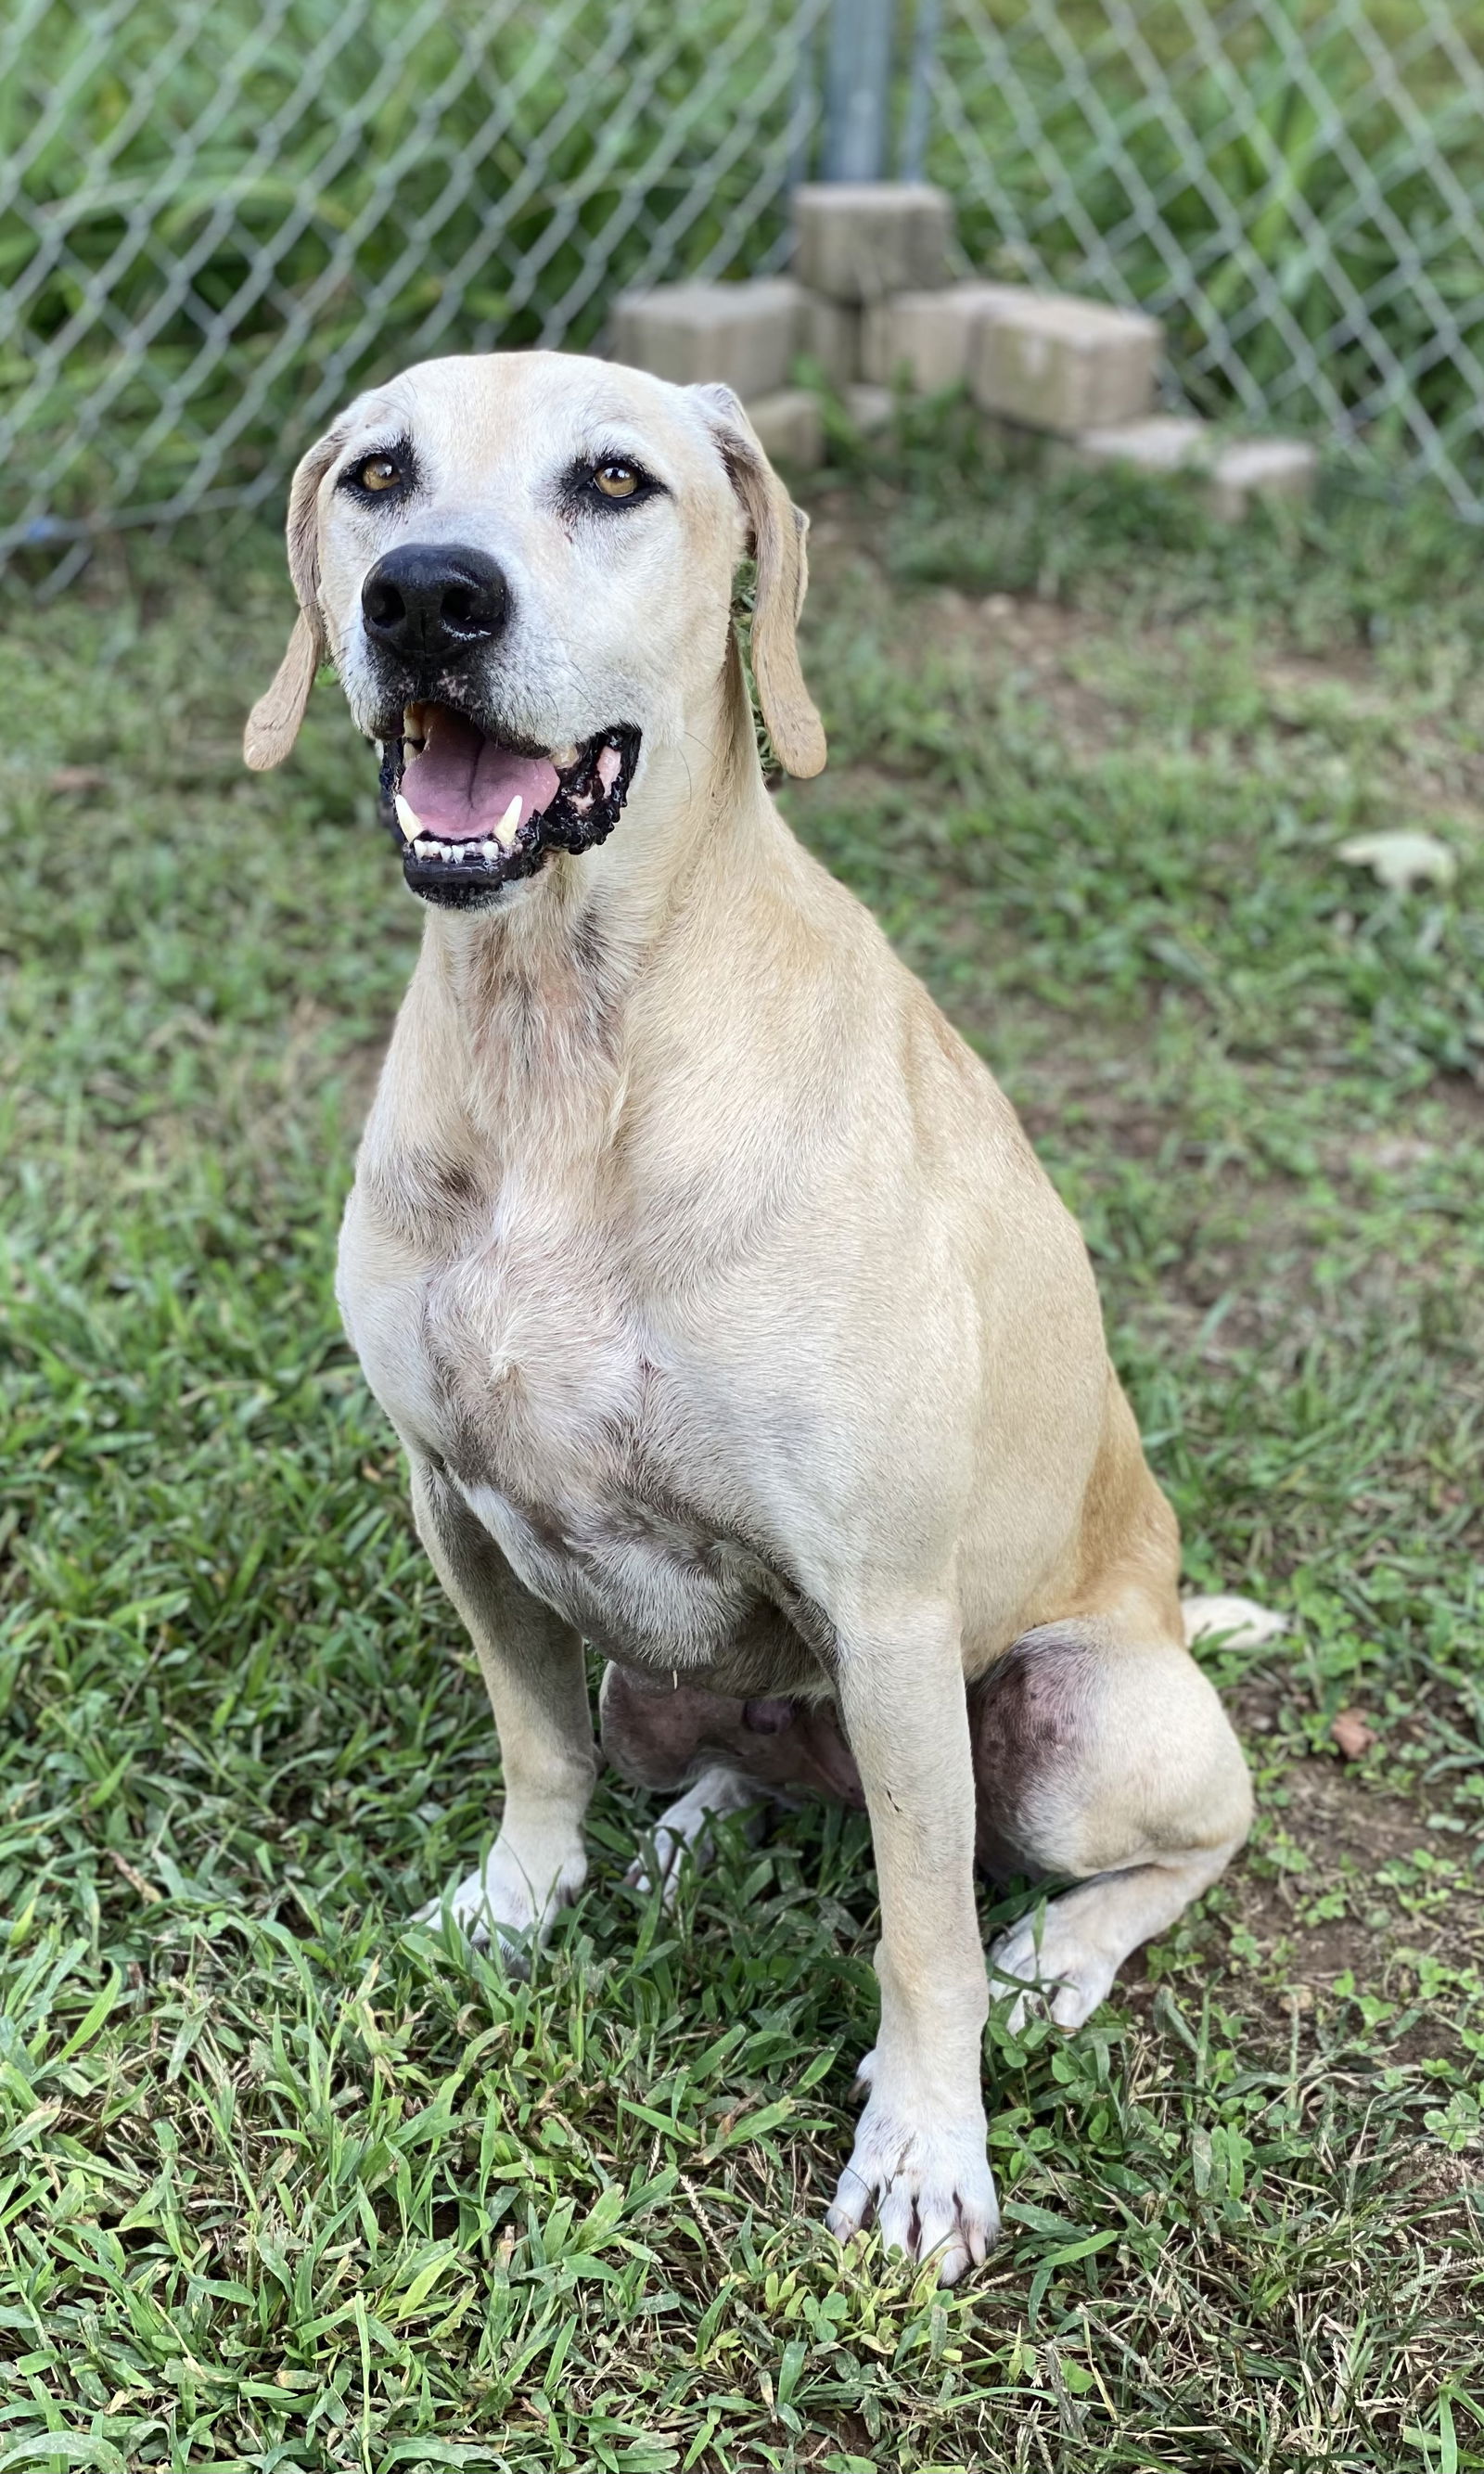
924	2181
513	1900
685	1828
1239	1623
660	1853
1058	1963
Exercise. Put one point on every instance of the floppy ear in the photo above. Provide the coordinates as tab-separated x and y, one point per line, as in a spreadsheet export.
777	530
273	724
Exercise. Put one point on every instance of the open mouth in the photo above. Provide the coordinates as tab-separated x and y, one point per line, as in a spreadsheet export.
470	813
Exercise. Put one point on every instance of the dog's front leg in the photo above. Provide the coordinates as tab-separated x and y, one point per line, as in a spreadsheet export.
919	2163
534	1672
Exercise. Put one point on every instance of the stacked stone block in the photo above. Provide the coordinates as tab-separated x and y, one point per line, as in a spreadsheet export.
1235	471
929	337
1050	362
861	241
870	308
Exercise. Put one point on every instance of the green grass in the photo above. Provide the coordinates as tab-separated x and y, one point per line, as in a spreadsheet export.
285	2182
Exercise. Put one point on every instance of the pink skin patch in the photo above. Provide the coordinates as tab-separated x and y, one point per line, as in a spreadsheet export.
461	785
609	765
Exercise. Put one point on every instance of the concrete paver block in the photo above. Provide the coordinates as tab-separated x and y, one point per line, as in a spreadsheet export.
1237	471
789	426
1260	468
1167	442
746	335
870	408
1064	365
930	334
859	240
830	333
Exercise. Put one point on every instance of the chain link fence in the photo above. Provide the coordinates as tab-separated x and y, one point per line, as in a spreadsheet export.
1295	188
219	217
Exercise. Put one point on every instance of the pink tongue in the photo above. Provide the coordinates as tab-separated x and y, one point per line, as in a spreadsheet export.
463	782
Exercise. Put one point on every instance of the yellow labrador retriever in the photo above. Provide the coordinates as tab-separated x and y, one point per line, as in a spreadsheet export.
726	1314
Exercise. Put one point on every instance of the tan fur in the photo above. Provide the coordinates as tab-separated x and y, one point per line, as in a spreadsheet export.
777	530
273	724
725	1311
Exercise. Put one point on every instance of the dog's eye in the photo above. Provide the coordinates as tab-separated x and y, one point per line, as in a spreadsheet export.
379	472
617	481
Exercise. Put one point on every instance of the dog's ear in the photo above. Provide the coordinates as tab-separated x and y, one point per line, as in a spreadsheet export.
776	530
273	724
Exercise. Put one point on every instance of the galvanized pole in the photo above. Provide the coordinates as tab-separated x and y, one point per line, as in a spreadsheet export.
919	85
857	89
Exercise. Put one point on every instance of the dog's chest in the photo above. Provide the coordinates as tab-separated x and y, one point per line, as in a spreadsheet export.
520	1356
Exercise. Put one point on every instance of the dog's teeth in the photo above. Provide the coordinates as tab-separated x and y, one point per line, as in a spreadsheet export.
487	852
406	817
564	758
509	824
425	849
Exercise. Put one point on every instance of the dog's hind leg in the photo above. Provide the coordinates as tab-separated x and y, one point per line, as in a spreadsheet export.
1108	1761
725	1754
684	1828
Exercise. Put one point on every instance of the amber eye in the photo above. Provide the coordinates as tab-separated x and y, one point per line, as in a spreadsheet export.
379	472
617	481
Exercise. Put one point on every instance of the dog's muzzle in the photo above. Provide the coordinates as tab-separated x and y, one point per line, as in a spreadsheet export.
472	812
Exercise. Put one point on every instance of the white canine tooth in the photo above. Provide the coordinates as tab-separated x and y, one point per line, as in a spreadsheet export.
564	758
509	824
406	819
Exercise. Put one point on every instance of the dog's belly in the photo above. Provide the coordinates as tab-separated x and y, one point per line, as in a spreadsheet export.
654	1591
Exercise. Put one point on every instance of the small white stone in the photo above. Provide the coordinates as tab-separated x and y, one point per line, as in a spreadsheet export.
1402	860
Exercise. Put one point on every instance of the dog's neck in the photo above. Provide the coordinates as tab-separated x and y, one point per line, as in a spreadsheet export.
522	1013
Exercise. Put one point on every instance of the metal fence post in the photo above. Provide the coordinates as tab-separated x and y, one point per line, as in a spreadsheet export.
857	89
919	89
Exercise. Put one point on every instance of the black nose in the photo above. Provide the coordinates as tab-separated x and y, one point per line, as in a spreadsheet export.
432	604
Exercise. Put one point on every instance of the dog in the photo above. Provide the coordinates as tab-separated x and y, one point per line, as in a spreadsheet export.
716	1294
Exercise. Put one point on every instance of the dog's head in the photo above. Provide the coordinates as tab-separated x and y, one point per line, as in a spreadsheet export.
522	566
